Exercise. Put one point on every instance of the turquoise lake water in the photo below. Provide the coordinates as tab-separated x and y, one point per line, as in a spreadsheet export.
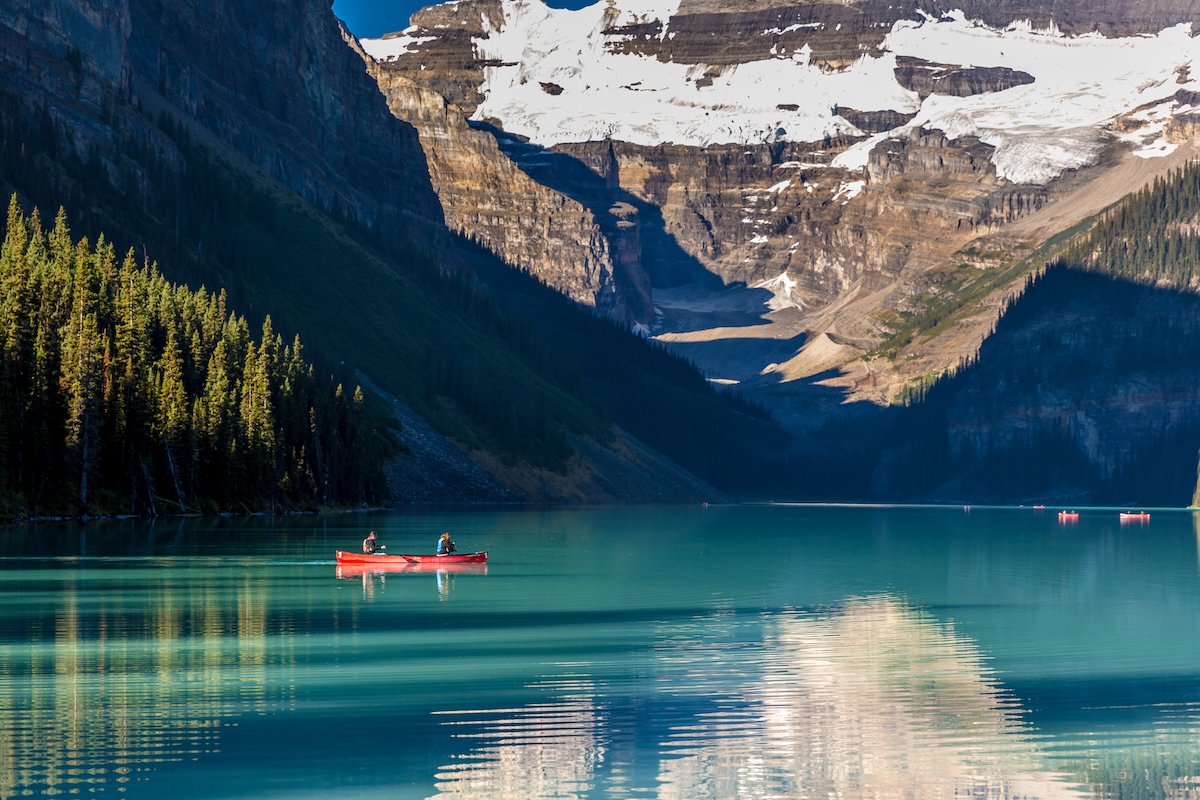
722	652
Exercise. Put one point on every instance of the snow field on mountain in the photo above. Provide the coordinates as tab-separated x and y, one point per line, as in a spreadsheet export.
642	100
1148	141
1058	122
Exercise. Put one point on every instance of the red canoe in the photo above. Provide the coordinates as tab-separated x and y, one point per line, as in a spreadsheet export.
346	557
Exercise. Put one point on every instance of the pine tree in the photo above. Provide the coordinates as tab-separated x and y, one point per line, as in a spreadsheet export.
81	380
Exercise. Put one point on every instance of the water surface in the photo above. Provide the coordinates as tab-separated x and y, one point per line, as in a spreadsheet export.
746	651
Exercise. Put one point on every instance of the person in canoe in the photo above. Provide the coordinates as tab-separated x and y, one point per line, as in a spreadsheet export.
370	546
445	546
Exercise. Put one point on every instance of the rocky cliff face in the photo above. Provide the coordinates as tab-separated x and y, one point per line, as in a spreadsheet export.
926	78
749	214
589	253
274	82
72	52
740	214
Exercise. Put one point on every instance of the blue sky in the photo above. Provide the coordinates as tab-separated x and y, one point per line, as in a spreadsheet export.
368	19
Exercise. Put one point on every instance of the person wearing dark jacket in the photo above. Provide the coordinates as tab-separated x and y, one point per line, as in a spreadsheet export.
371	546
445	547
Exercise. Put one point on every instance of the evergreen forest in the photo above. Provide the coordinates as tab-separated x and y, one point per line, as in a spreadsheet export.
1150	236
125	393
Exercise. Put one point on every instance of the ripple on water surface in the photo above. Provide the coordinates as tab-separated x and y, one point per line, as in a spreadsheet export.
871	699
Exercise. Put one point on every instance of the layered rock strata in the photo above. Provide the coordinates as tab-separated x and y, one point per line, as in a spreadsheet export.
926	78
836	33
749	214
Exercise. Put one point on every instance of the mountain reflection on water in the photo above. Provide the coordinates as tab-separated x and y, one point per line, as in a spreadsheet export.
872	699
778	653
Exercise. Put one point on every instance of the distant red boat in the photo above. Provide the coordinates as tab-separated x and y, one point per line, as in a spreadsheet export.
1135	516
1068	516
346	557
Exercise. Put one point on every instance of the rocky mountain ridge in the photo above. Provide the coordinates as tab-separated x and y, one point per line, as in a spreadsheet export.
1086	394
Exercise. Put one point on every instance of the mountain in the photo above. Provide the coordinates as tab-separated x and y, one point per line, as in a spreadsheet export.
833	209
244	147
835	203
808	177
271	81
1084	393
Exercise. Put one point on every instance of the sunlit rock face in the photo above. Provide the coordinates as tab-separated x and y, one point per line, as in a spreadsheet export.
591	256
839	144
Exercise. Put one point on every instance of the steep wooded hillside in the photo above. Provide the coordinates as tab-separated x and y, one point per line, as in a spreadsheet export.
123	393
266	163
1087	391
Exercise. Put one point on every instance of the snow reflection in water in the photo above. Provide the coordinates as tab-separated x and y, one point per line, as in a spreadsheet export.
869	700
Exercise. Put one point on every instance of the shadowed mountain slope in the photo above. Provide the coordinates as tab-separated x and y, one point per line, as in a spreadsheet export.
256	155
